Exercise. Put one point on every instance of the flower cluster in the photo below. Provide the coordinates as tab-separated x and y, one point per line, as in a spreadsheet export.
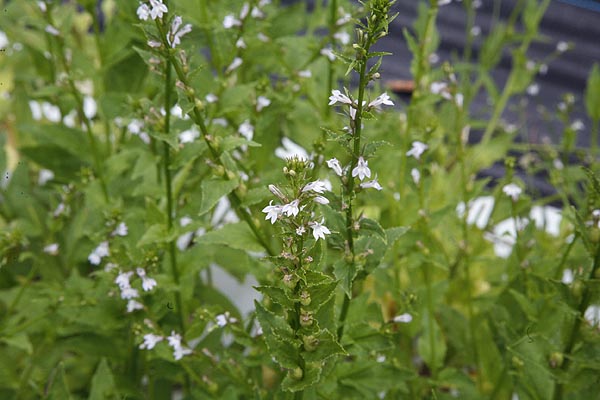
361	171
155	10
130	293
174	340
339	97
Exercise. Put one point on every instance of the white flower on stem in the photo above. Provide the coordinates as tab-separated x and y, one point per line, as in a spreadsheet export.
120	230
512	191
51	249
362	169
459	99
305	73
178	350
150	340
175	34
592	315
334	164
148	283
418	148
129	293
403	318
342	37
567	277
321	200
438	87
99	253
289	149
316	186
51	112
476	30
158	9
52	30
44	176
533	89
577	125
234	65
189	135
291	209
224	319
562	46
416	175
36	109
60	209
143	12
382	99
230	21
344	19
244	11
42	6
319	230
240	44
273	211
246	130
371	184
300	230
337	96
257	13
133	305
262	37
155	44
327	52
262	102
122	280
211	98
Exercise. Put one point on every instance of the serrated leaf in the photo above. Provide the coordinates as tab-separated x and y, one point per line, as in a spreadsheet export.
372	147
279	338
233	142
277	295
103	384
237	236
374	247
320	294
57	384
345	272
312	373
273	324
327	347
395	233
212	191
157	233
370	226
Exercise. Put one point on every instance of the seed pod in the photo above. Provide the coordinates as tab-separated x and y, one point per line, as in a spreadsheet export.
297	373
310	343
556	359
306	318
305	298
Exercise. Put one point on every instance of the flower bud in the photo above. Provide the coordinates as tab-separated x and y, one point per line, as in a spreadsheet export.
306	318
310	343
305	298
556	359
278	193
297	373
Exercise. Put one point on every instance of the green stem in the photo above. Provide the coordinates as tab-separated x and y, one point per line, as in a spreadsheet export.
586	298
595	140
430	316
332	27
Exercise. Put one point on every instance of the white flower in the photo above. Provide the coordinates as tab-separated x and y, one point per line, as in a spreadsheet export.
459	99
319	230
230	21
438	87
120	230
476	30
234	64
382	99
175	34
362	169
59	210
158	9
240	44
36	110
371	184
337	96
305	73
42	6
257	13
291	209
44	176
129	293
262	102
403	318
51	249
562	46
148	283
262	37
344	19
224	319
52	30
179	352
512	191
135	126
155	44
143	12
99	252
246	130
444	2
321	200
342	37
327	52
289	149
316	186
273	212
174	339
592	315
416	175
577	125
211	98
133	305
567	277
122	280
244	11
189	135
300	230
150	340
417	149
51	112
533	89
334	164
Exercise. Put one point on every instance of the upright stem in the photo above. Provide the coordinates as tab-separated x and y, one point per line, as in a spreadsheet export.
586	297
169	192
595	140
332	26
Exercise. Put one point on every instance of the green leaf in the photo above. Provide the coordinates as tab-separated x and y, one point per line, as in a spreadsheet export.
311	375
431	345
327	347
592	94
20	341
277	295
57	384
395	233
212	191
103	384
157	233
345	272
237	236
320	294
279	338
233	142
370	226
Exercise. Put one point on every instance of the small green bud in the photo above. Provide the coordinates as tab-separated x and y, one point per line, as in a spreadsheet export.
199	104
594	234
305	298
289	281
306	318
297	373
310	343
517	362
556	359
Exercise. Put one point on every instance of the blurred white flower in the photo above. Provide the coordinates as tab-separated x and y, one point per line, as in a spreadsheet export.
224	319
175	33
240	44
300	230
51	112
262	102
143	12
246	130
257	13
342	37
418	148
272	211
189	135
211	98
44	176
403	318
291	209
36	110
533	89
178	350
562	46
99	253
337	96
592	315
122	280
289	149
234	64
150	340
513	191
319	230
371	184
567	276
416	175
133	305
305	73
577	125
52	30
334	164
316	186
230	21
3	40
129	293
51	249
158	9
382	99
321	200
327	52
262	37
120	230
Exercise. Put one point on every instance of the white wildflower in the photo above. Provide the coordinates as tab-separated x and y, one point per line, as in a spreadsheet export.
175	33
272	211
418	148
334	164
533	89
122	280
99	253
382	99
316	186
512	191
148	283
240	44
150	340
44	176
371	185
305	73
257	13
337	96
51	112
133	305
262	102
143	12
189	135
321	200
416	176
36	110
262	37
52	30
319	230
567	276
342	37
120	230
562	46
158	9
155	44
289	149
234	64
246	130
403	318
244	11
291	209
300	230
592	315
129	293
42	6
51	249
211	98
476	30
230	21
577	125
362	169
327	52
224	319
